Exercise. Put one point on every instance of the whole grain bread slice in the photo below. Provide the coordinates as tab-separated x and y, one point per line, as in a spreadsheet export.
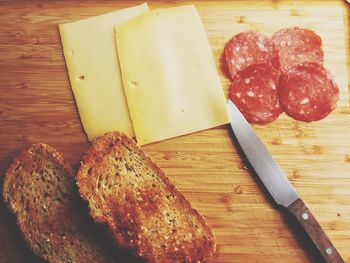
39	188
143	210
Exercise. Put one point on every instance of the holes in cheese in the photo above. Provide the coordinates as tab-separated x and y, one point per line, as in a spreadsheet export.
89	47
170	79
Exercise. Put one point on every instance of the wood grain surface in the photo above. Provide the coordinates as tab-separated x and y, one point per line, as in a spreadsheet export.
37	105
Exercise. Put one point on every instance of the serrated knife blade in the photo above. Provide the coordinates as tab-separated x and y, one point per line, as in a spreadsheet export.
261	160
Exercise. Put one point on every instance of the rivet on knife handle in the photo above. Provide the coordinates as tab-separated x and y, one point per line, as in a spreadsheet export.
315	232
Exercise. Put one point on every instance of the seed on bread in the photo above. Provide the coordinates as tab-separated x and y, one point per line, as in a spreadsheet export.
142	209
39	188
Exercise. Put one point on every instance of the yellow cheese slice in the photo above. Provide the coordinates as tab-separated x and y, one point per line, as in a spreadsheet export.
91	58
169	76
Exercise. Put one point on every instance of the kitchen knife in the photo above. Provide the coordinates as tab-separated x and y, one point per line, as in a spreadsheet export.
278	185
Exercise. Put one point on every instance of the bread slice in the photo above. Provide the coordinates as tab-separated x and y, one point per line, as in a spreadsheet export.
143	210
39	188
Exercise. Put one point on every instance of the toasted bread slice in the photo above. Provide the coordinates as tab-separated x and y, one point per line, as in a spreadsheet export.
143	210
39	188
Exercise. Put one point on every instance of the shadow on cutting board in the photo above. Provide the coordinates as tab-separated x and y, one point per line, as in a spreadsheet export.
12	246
13	249
298	232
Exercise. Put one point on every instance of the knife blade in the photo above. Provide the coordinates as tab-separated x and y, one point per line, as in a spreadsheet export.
277	183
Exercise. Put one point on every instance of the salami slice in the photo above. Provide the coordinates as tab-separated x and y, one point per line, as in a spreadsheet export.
298	45
254	92
245	49
307	92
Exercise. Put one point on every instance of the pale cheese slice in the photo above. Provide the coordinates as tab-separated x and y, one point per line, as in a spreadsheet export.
94	72
169	76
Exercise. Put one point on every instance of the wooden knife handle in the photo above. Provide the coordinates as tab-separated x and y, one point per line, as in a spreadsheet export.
315	232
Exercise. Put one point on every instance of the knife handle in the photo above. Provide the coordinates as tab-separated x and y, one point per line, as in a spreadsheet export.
315	232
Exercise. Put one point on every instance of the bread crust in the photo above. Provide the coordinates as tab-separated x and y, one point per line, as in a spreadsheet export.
39	189
132	196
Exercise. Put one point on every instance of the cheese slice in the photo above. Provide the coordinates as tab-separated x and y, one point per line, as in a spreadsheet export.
169	76
91	58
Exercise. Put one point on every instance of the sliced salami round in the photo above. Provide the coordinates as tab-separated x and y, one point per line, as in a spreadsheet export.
245	49
254	92
307	92
298	45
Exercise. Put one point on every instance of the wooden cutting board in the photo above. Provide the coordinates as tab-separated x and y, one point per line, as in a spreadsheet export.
37	105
